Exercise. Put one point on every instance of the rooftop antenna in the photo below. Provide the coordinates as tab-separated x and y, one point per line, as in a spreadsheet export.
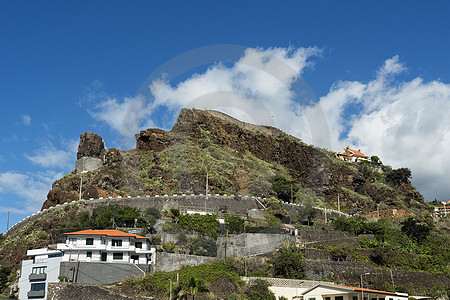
7	222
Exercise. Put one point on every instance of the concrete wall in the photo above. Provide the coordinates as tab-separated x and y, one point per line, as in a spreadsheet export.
52	270
86	164
172	261
100	272
250	244
70	291
350	272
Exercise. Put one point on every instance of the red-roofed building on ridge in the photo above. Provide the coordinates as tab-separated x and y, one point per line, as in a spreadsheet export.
348	154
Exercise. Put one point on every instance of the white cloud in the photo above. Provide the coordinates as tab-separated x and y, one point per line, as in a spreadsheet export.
258	85
26	120
405	123
32	188
50	157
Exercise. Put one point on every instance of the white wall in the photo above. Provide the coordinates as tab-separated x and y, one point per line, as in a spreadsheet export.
52	271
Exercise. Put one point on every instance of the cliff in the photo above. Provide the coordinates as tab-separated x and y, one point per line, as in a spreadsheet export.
240	158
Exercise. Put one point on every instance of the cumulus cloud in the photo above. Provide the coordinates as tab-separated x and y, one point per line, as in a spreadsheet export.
49	156
260	78
26	120
32	188
257	86
405	123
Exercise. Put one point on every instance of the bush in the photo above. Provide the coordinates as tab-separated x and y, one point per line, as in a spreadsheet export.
258	290
203	224
289	263
234	224
398	176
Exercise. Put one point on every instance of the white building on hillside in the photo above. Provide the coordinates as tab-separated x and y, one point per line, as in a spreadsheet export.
340	292
37	272
91	256
107	246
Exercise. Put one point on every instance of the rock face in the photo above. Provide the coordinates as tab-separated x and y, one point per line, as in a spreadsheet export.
240	158
91	145
90	153
152	140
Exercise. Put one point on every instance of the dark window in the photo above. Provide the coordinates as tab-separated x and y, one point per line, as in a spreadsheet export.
89	254
355	298
37	286
339	298
311	298
89	241
138	245
117	243
104	256
55	255
118	256
327	298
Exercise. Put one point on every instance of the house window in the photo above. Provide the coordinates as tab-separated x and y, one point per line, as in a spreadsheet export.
37	286
55	255
118	256
339	298
89	241
38	270
73	241
311	298
117	243
89	254
355	298
138	245
327	298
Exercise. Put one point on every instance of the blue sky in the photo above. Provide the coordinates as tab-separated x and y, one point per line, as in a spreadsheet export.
379	69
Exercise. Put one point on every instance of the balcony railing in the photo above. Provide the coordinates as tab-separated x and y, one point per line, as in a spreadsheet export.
37	277
36	294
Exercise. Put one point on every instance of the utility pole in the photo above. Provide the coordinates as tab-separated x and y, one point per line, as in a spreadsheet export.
7	222
206	188
339	204
292	196
81	186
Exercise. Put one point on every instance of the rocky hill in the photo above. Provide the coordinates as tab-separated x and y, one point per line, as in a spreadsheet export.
239	158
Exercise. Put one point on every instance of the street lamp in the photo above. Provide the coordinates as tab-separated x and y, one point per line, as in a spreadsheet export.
362	291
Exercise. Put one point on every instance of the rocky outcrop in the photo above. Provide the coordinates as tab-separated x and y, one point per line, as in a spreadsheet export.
90	153
152	140
91	145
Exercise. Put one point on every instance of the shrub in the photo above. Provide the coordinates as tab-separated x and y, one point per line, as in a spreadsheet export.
289	263
235	224
259	289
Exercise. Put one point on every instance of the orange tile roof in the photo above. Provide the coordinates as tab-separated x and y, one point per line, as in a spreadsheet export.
107	232
357	153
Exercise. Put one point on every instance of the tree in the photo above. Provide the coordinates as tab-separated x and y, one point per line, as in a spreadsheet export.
235	224
289	263
284	187
416	229
4	273
259	290
398	176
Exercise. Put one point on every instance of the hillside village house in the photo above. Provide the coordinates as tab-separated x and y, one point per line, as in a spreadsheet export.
88	256
340	292
348	154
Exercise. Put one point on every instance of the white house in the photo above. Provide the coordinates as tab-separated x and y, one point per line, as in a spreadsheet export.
341	292
37	272
103	256
112	246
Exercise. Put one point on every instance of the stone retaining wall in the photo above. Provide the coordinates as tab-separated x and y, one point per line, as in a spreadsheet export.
173	261
71	291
